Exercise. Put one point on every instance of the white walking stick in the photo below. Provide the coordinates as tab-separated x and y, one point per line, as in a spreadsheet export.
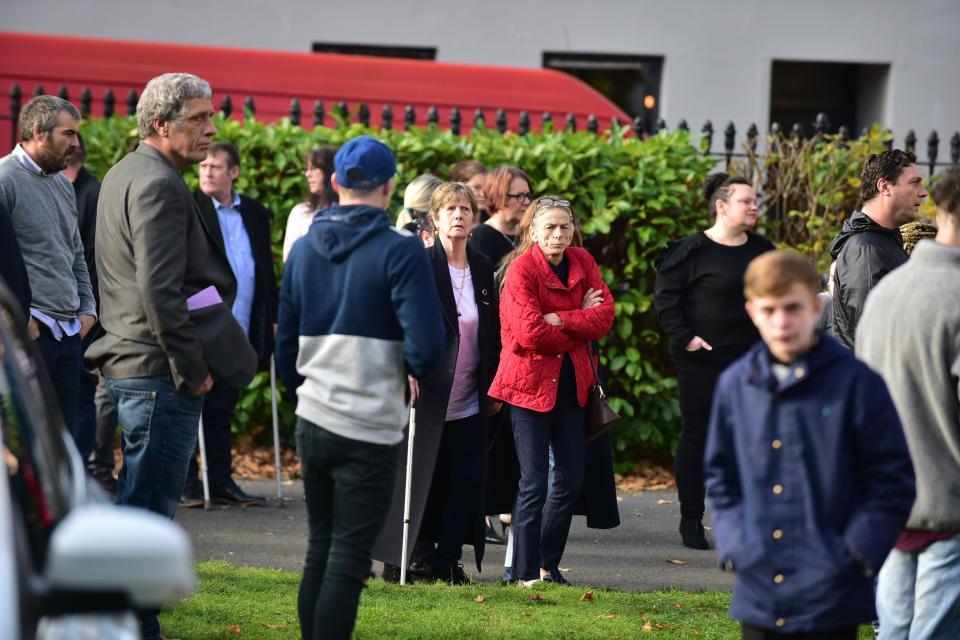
203	467
276	430
411	433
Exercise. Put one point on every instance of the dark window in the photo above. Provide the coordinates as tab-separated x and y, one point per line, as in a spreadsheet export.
381	50
852	95
630	82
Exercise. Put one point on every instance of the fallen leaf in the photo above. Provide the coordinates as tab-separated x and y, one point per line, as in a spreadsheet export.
609	616
480	598
564	569
272	626
663	626
671	561
234	629
664	501
678	605
647	627
536	598
587	597
696	632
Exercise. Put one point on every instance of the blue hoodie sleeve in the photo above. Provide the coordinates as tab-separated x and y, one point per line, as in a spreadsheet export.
288	333
417	306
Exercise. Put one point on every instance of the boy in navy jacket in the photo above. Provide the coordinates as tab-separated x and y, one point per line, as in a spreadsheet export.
358	310
807	468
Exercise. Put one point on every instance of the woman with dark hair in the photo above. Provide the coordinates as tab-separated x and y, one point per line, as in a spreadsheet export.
320	195
554	303
450	447
508	192
699	301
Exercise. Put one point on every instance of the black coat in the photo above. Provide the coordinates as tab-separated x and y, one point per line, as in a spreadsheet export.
865	252
263	313
431	408
13	272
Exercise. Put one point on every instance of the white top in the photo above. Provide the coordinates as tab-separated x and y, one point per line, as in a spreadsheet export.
464	396
298	222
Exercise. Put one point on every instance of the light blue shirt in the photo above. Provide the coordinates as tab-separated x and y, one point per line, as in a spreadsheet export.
58	328
240	255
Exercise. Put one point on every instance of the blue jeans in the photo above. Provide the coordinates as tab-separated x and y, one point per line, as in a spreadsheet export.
63	361
348	486
541	524
919	593
159	428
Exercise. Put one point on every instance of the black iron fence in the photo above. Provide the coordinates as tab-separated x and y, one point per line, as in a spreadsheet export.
341	116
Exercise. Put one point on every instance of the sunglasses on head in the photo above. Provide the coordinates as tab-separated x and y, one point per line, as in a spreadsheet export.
544	203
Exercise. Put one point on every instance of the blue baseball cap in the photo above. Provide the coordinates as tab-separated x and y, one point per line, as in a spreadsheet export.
364	163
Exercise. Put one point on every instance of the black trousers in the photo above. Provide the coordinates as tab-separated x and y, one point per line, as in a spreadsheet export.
695	383
756	633
218	406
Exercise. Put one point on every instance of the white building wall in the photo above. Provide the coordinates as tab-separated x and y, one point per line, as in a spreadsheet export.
717	54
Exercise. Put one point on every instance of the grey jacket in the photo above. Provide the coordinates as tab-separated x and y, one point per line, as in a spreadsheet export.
153	251
910	333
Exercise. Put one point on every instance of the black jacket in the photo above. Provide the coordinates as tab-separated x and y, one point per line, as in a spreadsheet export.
12	270
865	252
87	190
263	313
432	407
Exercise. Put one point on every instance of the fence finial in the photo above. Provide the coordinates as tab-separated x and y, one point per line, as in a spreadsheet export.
319	113
226	106
455	120
295	112
523	123
108	103
501	120
409	117
592	124
571	123
386	117
132	101
933	144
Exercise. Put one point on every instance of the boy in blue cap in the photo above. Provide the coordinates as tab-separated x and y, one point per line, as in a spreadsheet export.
358	311
807	468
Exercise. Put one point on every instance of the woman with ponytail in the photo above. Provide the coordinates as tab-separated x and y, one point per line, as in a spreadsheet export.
699	301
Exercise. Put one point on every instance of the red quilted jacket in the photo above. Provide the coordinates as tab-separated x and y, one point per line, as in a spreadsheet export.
532	349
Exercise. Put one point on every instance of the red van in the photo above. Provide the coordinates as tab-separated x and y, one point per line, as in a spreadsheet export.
274	79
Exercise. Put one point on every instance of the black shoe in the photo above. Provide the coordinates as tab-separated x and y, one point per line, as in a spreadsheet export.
692	534
492	536
451	575
192	497
104	478
556	577
390	573
234	495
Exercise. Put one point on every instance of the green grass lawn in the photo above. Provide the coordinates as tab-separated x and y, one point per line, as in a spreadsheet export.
241	602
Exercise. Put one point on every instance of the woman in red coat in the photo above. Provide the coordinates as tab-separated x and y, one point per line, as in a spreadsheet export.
553	304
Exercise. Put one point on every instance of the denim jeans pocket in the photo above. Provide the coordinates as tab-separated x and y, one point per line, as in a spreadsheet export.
135	409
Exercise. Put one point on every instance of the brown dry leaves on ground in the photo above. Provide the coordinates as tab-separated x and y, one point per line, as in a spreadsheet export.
648	476
256	462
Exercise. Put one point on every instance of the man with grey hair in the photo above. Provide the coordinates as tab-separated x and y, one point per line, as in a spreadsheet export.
43	210
154	256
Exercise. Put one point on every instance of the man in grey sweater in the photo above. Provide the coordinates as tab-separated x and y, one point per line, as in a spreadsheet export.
43	209
910	333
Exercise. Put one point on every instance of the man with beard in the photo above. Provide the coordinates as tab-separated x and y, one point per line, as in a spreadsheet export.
43	209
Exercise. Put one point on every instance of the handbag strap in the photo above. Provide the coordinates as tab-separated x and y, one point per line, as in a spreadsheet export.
596	374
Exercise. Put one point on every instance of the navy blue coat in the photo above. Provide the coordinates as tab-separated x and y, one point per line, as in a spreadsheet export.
810	482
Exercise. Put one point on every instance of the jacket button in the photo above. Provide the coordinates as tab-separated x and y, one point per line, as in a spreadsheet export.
776	444
559	355
800	372
777	489
780	622
777	534
553	379
778	578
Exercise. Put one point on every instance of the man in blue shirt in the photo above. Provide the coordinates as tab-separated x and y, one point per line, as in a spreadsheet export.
242	226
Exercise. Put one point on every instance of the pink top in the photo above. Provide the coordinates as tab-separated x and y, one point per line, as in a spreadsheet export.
464	395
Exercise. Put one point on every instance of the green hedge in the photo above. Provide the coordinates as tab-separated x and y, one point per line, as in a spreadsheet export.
630	196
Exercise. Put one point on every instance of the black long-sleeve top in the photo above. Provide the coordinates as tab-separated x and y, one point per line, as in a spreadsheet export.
699	292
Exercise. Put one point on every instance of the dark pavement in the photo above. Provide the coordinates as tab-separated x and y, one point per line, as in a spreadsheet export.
644	553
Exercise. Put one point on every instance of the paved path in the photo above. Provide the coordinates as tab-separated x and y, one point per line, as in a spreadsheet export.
633	556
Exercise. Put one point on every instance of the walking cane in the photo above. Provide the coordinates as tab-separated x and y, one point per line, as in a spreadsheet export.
276	430
411	433
203	468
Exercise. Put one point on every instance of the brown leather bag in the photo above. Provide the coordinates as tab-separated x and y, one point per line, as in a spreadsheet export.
600	417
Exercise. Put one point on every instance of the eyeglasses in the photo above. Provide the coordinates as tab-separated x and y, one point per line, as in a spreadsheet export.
544	203
523	195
